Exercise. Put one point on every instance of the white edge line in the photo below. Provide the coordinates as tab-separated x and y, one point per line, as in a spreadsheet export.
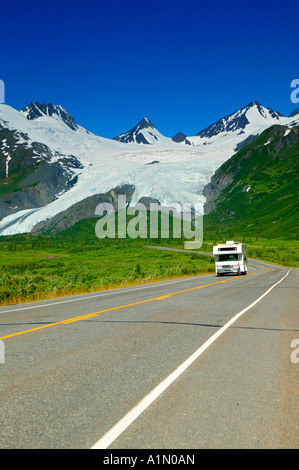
120	290
133	414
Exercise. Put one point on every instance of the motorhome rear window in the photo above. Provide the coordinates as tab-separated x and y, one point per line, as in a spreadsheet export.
229	248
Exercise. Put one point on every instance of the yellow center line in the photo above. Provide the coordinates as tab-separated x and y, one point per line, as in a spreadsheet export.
264	268
94	314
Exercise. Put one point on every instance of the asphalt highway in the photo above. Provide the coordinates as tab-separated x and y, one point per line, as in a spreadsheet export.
190	363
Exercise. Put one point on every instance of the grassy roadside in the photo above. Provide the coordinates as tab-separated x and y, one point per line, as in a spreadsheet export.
29	274
76	262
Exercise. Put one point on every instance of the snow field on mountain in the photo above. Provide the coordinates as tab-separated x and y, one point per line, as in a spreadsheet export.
173	173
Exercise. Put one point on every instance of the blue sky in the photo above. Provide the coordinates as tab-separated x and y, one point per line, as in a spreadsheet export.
181	63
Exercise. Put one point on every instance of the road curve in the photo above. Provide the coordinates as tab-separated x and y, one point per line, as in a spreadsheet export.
74	367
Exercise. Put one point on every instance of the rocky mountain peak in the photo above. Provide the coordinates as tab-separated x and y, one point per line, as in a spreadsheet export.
143	133
37	110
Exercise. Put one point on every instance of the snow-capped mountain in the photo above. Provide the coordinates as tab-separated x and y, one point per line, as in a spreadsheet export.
51	168
249	120
252	114
144	133
36	110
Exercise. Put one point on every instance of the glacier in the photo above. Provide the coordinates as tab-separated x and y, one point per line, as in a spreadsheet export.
172	172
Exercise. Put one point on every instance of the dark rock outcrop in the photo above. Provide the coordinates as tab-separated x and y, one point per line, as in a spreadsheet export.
179	137
85	209
36	110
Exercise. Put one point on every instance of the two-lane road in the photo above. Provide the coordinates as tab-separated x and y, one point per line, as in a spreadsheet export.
188	363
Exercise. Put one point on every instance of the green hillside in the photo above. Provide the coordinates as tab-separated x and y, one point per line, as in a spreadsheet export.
256	191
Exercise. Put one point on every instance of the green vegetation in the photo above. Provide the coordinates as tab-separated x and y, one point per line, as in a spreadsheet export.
76	261
263	196
41	267
277	251
259	207
14	181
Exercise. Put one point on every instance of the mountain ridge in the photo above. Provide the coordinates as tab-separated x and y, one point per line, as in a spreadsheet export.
254	113
48	164
237	120
37	110
256	189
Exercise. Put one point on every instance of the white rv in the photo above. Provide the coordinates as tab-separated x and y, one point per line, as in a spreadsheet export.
230	258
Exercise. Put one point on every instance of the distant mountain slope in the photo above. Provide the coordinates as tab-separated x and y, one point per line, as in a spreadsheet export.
31	173
47	167
84	209
256	190
50	165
